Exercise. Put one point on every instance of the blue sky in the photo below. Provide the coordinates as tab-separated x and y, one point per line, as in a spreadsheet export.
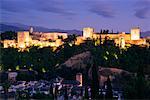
119	15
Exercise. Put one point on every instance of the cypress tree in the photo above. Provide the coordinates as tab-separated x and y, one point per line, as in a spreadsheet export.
86	81
66	94
140	83
95	82
109	93
100	37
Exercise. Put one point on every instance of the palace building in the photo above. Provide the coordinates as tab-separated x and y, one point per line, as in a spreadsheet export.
120	39
55	39
53	36
23	39
9	43
88	32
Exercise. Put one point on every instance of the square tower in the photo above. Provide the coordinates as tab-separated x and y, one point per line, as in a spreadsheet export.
88	32
135	33
23	39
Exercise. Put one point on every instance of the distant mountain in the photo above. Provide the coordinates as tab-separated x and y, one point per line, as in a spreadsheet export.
20	27
4	28
145	34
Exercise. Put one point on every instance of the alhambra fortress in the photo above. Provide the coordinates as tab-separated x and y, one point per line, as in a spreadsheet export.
55	39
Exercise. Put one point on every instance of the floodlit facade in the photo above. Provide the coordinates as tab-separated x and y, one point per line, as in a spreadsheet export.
88	32
23	39
53	36
121	39
121	42
55	39
135	33
79	40
58	42
9	43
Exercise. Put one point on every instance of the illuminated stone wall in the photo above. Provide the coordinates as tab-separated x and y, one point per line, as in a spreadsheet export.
53	36
127	37
9	43
88	32
63	35
136	42
112	36
121	42
96	36
79	40
58	42
23	39
135	33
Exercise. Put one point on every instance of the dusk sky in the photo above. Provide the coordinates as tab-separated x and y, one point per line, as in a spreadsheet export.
119	15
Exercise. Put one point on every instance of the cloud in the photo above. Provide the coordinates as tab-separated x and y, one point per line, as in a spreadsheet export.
142	10
22	6
102	9
14	5
102	12
142	13
52	6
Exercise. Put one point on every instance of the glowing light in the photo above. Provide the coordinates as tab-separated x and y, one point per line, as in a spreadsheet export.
43	70
135	33
70	44
116	56
57	65
105	58
30	68
97	42
107	52
17	68
1	67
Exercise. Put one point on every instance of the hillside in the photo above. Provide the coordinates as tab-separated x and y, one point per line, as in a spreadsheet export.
145	34
81	61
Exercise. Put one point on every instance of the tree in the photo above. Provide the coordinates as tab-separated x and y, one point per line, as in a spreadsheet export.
101	31
107	31
8	35
56	91
86	93
9	58
65	93
140	83
44	61
109	93
70	39
95	81
104	31
51	90
6	86
133	56
86	80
